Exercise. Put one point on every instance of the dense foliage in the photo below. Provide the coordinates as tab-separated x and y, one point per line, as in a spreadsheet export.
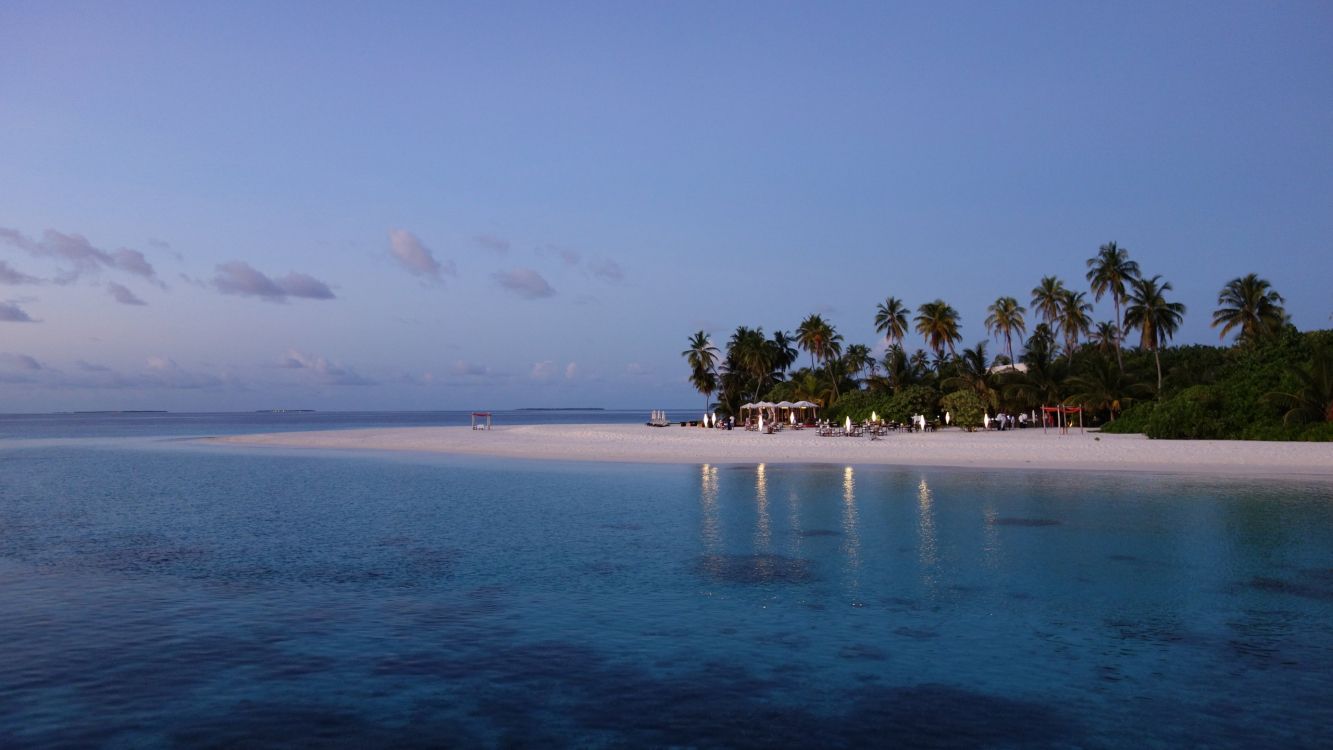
1272	383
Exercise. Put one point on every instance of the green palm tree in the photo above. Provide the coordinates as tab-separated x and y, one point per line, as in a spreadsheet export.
750	353
702	358
1048	299
1102	387
1106	337
857	359
891	319
811	335
1075	319
1108	273
973	373
1250	305
784	349
938	322
1005	318
1156	319
1312	400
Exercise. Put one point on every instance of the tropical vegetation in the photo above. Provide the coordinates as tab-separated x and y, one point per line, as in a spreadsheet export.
1270	382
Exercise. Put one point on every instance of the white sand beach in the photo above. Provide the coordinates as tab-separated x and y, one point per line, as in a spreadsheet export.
1018	449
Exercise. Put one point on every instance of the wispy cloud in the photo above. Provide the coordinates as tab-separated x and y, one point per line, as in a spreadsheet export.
524	282
80	254
418	259
497	245
12	313
12	276
20	362
240	278
123	295
606	269
330	373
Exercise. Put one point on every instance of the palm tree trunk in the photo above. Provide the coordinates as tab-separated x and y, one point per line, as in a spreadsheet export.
1158	357
1009	344
1120	330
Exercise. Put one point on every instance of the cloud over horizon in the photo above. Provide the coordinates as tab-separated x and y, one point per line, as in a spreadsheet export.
241	279
416	258
329	373
525	282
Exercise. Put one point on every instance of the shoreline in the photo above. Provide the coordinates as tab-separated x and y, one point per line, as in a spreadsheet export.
1028	449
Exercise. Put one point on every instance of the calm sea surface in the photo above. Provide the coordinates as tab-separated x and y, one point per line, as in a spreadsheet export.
159	592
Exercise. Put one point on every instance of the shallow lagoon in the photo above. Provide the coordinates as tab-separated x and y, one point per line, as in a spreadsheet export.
161	592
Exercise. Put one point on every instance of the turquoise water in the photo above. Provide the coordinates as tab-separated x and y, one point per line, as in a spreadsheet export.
156	592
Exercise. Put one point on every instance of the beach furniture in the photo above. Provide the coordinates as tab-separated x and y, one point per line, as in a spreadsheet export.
481	420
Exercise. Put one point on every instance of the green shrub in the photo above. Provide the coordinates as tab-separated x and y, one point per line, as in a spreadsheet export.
911	400
1131	420
965	409
1193	414
858	405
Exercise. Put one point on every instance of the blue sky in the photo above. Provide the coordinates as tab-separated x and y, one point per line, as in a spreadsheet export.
422	206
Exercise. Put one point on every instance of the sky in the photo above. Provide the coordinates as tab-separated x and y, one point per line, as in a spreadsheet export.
234	206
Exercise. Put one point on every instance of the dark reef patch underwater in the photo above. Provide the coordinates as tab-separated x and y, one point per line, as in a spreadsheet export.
160	593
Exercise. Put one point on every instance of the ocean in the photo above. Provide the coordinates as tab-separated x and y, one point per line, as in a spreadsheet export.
157	591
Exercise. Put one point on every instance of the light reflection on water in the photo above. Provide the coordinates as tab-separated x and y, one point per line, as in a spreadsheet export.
340	600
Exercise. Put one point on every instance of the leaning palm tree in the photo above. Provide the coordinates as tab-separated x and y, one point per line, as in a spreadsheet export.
1108	272
937	322
891	319
702	358
1005	318
1155	318
1048	299
1075	319
1250	305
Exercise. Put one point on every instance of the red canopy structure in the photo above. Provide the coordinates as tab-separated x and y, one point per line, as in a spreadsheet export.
1060	414
481	420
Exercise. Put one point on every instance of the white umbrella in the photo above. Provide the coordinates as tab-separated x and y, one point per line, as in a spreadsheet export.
985	420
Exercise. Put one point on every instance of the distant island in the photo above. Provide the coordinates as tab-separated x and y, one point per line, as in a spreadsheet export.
284	411
124	411
563	408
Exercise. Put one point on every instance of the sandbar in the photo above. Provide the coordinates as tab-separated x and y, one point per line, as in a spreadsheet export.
1015	449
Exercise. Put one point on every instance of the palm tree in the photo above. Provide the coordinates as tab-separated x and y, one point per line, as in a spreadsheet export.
1048	299
1101	386
891	319
1108	272
1312	401
750	353
811	335
817	336
1250	304
702	358
1154	317
938	322
1106	337
974	374
858	359
1074	319
784	350
1004	319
